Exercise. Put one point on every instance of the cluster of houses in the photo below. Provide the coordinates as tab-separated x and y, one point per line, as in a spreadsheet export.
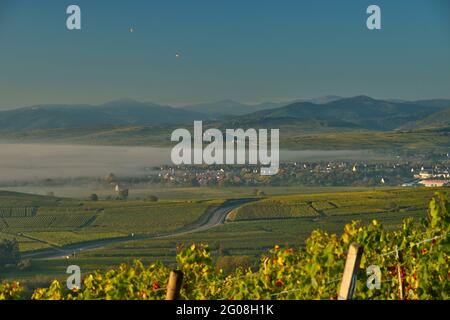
292	173
430	177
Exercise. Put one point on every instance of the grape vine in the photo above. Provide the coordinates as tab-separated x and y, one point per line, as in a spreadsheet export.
312	272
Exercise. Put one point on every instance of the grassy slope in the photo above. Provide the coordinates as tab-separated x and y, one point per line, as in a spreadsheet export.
425	140
435	120
292	136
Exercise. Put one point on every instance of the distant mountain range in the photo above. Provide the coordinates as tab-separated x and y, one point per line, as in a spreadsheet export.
439	119
356	112
230	108
124	112
359	112
233	108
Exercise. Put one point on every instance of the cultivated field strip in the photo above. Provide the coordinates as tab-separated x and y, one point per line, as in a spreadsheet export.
10	212
394	201
59	222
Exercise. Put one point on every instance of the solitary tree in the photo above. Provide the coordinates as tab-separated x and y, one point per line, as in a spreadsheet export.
9	252
93	197
152	198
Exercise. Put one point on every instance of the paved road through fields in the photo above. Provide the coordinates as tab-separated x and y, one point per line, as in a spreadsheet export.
215	217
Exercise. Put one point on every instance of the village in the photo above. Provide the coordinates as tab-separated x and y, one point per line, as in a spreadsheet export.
295	174
404	174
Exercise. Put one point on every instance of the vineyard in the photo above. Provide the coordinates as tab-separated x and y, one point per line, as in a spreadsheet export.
334	204
18	212
55	222
312	272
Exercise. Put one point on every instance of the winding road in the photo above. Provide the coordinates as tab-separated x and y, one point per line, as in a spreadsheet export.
215	217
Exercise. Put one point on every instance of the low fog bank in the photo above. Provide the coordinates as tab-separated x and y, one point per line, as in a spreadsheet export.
19	162
33	162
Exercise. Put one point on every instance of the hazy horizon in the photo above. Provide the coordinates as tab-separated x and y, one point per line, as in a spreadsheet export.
188	53
249	103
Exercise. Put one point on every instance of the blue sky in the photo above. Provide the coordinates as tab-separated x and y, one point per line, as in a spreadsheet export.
250	51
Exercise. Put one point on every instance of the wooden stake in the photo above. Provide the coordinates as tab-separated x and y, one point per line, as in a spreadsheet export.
399	273
350	272
174	285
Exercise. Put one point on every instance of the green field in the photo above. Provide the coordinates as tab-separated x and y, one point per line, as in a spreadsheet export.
376	202
177	193
418	141
256	233
59	222
293	136
249	230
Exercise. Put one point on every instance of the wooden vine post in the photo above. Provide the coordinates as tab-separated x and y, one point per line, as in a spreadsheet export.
399	258
349	277
174	285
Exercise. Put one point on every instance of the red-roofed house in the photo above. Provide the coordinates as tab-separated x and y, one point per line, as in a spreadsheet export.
435	183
